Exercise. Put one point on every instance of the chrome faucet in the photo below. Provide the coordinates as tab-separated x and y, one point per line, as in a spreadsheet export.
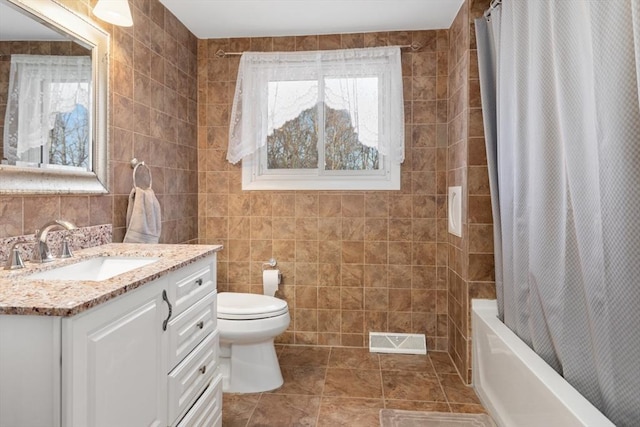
41	252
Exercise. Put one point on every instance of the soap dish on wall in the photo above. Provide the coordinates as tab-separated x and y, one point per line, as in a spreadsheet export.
454	211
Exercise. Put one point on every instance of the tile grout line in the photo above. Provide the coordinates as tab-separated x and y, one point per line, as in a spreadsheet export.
254	409
446	398
384	400
324	382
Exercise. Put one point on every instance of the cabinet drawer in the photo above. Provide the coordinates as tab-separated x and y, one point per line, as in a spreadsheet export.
188	329
191	283
207	411
192	375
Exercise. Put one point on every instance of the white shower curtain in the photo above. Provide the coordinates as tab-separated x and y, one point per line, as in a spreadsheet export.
564	145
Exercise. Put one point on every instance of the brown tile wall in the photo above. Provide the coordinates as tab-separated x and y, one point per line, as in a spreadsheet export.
471	268
353	262
153	116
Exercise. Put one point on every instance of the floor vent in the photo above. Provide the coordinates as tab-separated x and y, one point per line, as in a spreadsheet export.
385	342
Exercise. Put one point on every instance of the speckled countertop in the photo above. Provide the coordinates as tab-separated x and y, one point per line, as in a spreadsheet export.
20	294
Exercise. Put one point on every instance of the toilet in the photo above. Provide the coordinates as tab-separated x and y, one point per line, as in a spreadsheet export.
248	324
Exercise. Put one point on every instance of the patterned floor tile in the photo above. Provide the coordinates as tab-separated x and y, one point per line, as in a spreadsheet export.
339	386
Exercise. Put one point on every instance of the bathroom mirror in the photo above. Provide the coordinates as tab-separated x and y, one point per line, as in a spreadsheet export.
53	123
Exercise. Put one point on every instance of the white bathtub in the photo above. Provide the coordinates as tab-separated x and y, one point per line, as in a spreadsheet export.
516	386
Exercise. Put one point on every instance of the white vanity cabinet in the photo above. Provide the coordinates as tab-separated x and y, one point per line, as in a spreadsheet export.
113	372
148	357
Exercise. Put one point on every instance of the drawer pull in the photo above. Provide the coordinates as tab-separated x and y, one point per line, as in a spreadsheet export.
166	299
199	282
203	369
200	324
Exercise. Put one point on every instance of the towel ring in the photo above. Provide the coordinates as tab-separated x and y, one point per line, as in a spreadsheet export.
136	164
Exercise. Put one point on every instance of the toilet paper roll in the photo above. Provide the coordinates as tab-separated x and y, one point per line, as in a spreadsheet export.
270	281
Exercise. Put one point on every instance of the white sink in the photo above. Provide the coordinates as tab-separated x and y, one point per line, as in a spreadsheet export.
94	269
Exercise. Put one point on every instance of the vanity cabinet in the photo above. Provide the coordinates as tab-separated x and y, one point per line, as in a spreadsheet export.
115	362
146	358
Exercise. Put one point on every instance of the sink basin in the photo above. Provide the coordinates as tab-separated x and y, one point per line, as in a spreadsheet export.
94	269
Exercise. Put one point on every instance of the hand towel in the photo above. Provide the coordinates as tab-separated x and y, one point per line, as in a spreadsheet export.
143	217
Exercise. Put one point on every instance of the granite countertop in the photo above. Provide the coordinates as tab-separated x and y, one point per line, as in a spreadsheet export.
26	296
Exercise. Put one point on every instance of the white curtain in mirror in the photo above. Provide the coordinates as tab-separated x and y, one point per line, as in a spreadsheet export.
40	88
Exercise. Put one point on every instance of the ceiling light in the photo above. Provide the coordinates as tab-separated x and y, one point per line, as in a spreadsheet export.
116	12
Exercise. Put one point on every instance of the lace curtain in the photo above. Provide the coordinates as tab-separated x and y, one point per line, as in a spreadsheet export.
40	87
273	88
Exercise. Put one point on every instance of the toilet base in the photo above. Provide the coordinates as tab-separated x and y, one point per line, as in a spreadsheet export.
249	368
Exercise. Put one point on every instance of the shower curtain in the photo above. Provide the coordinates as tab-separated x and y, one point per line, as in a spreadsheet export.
559	83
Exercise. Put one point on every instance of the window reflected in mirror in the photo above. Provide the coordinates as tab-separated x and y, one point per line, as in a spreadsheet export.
53	100
46	123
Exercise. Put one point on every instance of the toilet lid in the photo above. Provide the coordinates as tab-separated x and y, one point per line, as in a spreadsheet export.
240	306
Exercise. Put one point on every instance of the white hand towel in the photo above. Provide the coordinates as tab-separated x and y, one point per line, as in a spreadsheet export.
143	217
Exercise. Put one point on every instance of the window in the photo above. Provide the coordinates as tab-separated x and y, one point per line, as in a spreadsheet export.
47	122
319	120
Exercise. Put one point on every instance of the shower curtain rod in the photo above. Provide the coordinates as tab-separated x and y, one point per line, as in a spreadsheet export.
493	5
221	53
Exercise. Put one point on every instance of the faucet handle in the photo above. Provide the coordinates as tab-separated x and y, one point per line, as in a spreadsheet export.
14	261
65	249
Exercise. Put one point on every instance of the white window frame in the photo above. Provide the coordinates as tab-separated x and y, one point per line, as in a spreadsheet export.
300	179
256	175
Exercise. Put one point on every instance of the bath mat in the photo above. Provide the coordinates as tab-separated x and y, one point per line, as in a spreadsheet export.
398	418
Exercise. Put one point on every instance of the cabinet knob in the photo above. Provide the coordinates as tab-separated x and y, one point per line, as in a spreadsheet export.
203	369
200	324
199	282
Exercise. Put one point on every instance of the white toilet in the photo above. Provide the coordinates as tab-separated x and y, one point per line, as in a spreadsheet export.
248	324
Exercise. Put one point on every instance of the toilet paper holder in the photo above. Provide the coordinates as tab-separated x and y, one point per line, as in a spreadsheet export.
269	281
271	263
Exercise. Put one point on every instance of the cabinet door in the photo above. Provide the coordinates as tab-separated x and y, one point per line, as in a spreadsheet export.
116	373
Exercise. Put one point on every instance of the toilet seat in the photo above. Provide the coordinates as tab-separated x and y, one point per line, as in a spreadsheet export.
244	306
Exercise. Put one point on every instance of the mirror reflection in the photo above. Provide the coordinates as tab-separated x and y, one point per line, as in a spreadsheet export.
45	95
53	100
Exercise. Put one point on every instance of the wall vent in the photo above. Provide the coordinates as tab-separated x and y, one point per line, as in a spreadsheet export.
386	342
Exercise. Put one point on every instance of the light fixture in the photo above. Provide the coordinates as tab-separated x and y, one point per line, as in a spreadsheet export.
116	12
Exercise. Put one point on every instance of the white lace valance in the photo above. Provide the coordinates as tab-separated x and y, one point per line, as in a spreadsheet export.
273	88
40	87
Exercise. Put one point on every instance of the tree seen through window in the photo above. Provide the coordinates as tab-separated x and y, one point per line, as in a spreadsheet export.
294	145
70	138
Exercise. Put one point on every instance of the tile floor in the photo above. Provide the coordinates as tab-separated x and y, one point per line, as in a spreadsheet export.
338	386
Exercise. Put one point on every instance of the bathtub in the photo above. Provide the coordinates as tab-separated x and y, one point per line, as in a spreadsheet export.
515	385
